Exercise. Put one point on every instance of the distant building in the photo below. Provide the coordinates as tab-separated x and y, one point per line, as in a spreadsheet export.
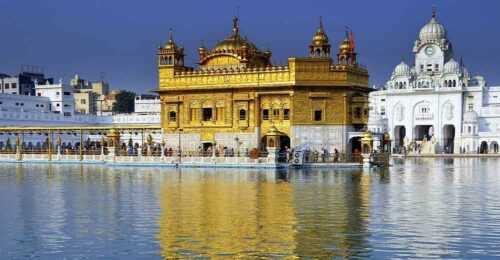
60	95
22	103
85	102
101	88
147	104
90	96
22	84
105	103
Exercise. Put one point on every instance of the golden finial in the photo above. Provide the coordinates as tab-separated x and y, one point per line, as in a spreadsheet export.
434	12
170	36
320	28
236	28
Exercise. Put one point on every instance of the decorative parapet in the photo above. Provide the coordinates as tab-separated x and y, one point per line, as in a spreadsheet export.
299	71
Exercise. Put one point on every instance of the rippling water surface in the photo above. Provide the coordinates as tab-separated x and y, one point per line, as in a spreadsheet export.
420	208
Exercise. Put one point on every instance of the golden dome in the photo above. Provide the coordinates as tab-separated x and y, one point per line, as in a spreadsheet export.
240	48
235	41
345	46
320	37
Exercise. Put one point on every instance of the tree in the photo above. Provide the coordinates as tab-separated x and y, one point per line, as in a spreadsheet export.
124	102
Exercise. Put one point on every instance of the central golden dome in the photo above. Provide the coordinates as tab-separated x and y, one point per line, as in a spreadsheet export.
234	41
234	50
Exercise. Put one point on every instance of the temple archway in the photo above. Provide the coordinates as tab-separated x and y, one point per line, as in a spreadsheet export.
494	148
483	148
399	135
448	138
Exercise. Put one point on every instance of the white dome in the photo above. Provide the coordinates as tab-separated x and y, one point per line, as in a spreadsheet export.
452	67
402	69
471	117
432	31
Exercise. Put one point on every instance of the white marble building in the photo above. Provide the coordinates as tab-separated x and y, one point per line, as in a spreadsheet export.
435	105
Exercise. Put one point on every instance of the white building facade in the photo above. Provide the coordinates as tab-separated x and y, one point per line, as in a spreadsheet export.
60	95
436	106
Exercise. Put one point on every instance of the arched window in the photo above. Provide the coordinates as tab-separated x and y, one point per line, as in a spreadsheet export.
445	83
454	83
318	52
172	116
470	129
243	114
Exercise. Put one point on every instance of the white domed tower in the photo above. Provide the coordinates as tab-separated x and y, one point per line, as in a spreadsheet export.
400	78
470	130
432	49
451	74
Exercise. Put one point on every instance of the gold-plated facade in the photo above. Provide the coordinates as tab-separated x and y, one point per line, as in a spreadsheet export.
235	89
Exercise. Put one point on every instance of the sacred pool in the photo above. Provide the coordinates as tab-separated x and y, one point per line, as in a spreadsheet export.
418	208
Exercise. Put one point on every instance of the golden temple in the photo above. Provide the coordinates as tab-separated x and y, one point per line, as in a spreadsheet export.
236	95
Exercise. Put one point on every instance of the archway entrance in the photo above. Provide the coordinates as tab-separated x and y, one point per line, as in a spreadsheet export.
284	143
483	148
448	138
355	143
494	148
423	131
399	136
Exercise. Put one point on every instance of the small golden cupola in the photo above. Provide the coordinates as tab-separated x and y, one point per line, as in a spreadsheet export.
347	54
320	46
170	54
234	51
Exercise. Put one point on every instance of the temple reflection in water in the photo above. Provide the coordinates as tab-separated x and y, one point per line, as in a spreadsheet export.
216	213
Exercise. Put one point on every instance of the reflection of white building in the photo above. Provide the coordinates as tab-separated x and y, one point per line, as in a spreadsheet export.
436	102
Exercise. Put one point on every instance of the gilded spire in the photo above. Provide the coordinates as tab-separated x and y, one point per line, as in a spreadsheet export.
170	36
433	12
320	29
236	28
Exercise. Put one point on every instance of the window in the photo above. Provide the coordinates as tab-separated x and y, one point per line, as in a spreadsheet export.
470	107
276	113
265	114
172	116
37	105
17	103
382	111
7	85
83	101
58	105
22	104
436	67
317	115
207	114
67	93
66	105
357	112
14	85
422	67
243	114
57	93
286	114
39	94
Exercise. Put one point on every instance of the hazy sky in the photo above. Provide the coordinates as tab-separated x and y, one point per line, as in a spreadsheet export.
120	37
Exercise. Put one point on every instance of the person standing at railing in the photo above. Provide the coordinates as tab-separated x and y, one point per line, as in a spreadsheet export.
335	155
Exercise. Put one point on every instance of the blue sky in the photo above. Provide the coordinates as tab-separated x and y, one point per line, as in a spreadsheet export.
120	38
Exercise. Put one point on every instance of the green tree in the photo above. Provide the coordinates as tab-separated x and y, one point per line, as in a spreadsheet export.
124	102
